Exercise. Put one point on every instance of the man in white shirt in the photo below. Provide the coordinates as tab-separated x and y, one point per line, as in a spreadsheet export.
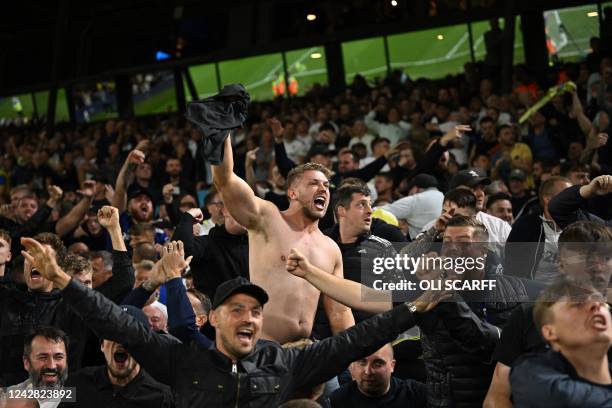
422	205
360	134
470	180
395	129
296	148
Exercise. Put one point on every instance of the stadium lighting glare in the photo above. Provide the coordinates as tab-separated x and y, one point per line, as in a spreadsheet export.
440	37
311	17
315	55
592	14
393	3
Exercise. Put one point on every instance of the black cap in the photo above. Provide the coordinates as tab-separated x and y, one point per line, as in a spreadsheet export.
317	149
518	174
98	176
469	178
135	190
238	285
422	180
137	314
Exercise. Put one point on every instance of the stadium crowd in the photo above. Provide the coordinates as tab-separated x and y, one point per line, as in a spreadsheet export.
138	272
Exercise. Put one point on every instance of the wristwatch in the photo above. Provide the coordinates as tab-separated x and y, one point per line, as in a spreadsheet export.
411	307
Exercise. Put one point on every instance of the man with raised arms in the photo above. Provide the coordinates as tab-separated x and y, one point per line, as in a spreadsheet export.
273	234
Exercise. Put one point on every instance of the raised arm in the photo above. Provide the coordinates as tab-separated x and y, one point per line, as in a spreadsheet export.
249	173
124	178
283	162
570	205
181	318
238	197
320	361
345	291
70	221
499	392
340	316
119	285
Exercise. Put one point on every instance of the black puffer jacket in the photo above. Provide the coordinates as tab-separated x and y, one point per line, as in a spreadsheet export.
20	312
458	339
206	378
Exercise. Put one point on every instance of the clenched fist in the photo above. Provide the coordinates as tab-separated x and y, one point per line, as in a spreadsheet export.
108	217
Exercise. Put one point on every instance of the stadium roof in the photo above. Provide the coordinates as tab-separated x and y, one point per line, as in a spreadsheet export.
96	38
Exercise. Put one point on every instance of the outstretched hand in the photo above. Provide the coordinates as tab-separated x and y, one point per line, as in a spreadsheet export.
277	128
173	259
454	134
44	259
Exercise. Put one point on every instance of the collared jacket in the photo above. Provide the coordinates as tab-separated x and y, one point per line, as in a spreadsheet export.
265	378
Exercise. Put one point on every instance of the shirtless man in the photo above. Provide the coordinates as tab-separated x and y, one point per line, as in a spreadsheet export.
290	312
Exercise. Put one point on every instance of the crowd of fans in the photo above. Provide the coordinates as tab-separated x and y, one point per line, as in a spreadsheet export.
125	257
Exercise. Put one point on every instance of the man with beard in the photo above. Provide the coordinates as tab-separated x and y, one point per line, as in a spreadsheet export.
121	382
134	202
46	361
273	234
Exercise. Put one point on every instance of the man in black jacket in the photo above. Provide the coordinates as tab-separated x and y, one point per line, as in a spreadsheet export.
358	246
121	382
571	204
241	371
531	251
457	337
374	386
221	255
575	321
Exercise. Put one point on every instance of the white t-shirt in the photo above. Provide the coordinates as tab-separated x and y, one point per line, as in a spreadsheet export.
418	209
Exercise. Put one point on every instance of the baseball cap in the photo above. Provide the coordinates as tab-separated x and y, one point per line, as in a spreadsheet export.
469	178
135	190
238	285
518	174
137	314
422	180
